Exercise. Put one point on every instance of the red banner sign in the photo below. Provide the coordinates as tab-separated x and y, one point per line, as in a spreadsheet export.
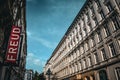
13	45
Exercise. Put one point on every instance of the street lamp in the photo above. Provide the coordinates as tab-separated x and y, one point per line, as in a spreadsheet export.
49	73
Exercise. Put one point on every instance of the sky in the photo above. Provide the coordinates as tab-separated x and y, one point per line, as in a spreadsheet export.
47	22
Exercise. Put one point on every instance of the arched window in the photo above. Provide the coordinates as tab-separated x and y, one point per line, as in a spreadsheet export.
117	72
103	75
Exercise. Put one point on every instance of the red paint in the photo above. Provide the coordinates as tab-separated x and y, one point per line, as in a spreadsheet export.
13	45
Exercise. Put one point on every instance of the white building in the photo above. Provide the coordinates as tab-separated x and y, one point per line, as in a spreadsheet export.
90	49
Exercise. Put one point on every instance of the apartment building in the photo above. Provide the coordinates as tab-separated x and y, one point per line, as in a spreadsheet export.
12	39
90	49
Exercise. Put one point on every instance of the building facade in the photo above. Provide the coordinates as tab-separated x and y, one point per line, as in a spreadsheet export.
28	75
90	49
12	13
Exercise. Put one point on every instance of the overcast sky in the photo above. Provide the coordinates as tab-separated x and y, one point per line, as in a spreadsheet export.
47	22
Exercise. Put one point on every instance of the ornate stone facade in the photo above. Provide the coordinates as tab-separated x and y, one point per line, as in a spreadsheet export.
90	49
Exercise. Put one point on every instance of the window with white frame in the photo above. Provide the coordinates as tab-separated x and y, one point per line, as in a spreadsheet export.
112	49
95	20
117	73
106	30
88	28
74	54
103	54
86	46
102	15
70	69
82	49
88	22
80	37
109	6
91	43
76	67
98	36
116	23
84	64
80	66
98	4
96	58
77	38
89	61
83	32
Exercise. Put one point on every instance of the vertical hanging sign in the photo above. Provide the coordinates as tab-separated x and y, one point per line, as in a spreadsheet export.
13	45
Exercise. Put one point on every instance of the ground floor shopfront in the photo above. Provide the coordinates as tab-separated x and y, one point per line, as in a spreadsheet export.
111	72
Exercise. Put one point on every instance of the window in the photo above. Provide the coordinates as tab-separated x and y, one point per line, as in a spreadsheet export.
103	75
86	46
76	68
106	31
82	50
98	3
74	55
102	14
95	20
80	66
84	64
117	72
109	5
87	78
73	68
89	61
103	54
92	9
88	17
91	42
93	77
77	38
70	69
99	37
112	50
84	32
71	56
116	23
96	58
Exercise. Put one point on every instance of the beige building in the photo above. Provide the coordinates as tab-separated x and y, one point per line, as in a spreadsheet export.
90	49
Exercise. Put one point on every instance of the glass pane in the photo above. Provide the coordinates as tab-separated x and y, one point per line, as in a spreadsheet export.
103	75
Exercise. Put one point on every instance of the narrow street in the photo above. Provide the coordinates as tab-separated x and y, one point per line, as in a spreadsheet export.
59	39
